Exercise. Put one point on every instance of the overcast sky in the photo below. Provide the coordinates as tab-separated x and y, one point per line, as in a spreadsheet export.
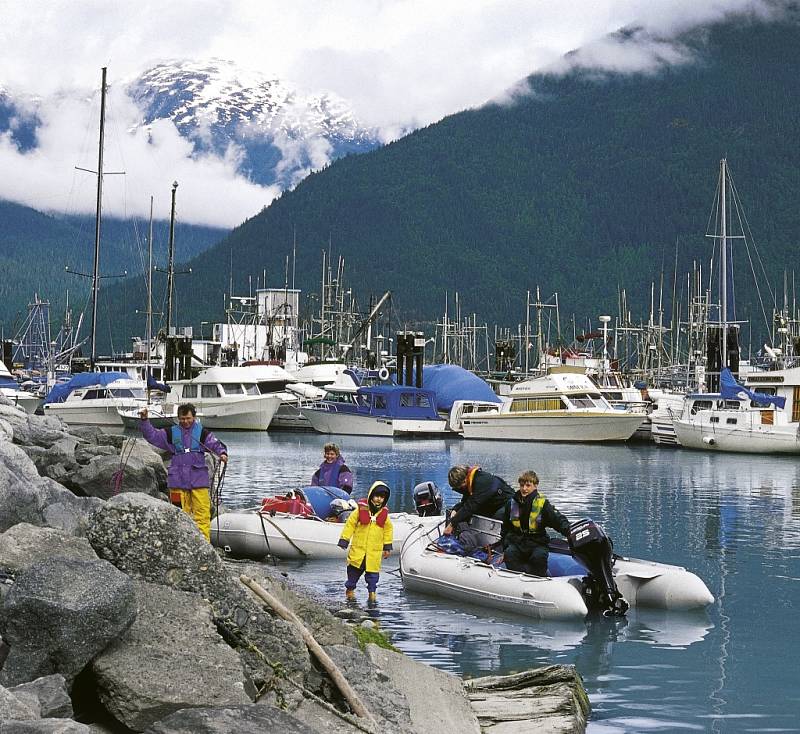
399	63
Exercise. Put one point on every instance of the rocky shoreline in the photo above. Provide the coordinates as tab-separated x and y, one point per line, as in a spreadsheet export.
117	616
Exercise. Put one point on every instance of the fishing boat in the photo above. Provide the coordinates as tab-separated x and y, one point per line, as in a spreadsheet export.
361	405
563	595
563	405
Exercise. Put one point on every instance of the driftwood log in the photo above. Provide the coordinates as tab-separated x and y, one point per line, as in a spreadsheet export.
548	700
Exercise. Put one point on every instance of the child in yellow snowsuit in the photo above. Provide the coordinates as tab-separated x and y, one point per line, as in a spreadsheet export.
371	531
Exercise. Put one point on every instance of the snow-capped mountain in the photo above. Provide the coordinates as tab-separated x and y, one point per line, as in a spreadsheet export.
283	131
280	133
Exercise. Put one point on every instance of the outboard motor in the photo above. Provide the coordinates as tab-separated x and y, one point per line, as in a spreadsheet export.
428	499
592	547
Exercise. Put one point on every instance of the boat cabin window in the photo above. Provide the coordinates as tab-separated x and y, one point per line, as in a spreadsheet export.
126	392
714	419
582	401
95	394
209	391
731	421
519	405
338	397
730	404
613	396
189	391
268	386
698	405
232	388
251	388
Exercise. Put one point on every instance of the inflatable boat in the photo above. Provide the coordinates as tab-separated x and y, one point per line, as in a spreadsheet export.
307	523
612	585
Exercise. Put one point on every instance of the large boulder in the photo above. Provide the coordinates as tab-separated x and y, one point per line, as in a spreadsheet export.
106	476
45	726
239	719
25	544
32	430
153	541
170	658
59	614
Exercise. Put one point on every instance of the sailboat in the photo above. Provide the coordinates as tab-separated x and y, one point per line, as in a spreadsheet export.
94	397
735	418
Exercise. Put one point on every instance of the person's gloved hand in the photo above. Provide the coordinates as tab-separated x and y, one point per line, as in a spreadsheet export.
342	543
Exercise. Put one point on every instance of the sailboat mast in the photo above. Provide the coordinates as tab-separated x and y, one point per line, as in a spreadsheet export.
724	262
149	291
96	271
171	261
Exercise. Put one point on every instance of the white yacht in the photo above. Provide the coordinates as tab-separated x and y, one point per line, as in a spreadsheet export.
564	405
228	397
739	420
95	398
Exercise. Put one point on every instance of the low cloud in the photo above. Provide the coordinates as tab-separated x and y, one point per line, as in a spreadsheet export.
211	192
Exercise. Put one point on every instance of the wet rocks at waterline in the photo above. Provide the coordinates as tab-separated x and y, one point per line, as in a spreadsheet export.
116	613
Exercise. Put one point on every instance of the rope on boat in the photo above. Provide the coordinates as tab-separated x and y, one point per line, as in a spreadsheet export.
280	530
331	668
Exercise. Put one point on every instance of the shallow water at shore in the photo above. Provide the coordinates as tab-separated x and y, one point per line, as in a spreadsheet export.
734	520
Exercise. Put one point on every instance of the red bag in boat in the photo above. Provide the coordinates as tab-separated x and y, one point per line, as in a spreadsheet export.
290	504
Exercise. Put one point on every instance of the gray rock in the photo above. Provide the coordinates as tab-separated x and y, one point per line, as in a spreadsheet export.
106	476
374	688
71	516
416	681
151	540
24	495
32	430
171	657
59	614
44	726
12	707
239	719
85	452
47	695
25	544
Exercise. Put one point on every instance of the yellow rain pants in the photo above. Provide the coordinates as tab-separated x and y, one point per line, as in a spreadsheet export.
197	503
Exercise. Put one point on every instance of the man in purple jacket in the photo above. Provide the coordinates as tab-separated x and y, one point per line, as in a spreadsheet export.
187	472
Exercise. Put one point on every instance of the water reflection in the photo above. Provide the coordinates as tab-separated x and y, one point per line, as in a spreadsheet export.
733	520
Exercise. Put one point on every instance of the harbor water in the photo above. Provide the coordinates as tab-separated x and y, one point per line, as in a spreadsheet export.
732	519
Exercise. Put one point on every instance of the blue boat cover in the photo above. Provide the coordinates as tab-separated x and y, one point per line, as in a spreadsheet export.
451	382
729	389
59	393
153	384
320	498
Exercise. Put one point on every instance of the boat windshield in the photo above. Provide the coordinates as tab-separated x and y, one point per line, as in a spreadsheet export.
582	401
232	388
126	392
268	386
251	388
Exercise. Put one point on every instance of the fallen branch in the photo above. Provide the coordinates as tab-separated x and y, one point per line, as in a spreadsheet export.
336	675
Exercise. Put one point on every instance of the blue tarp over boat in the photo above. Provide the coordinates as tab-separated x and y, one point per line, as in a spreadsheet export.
59	393
451	382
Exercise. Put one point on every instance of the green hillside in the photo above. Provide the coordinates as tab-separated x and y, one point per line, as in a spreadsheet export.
582	187
35	249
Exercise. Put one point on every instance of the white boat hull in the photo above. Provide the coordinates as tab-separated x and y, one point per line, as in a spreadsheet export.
236	414
566	427
642	583
350	424
253	535
85	412
756	439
